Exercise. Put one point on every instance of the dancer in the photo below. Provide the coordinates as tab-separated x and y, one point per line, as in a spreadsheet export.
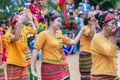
50	42
85	40
16	44
104	50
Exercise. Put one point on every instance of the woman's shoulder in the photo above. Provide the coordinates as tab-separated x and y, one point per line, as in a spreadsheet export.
8	32
43	32
97	36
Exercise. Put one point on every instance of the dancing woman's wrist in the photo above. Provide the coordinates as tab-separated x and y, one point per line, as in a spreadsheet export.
82	28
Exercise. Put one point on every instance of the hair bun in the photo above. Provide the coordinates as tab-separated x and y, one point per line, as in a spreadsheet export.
98	16
47	17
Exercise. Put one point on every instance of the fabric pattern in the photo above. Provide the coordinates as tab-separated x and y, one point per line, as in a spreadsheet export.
51	46
85	65
102	77
103	52
55	72
2	76
85	40
17	73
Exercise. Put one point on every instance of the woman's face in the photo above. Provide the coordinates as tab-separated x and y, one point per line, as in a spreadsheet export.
110	26
4	26
97	7
57	23
92	8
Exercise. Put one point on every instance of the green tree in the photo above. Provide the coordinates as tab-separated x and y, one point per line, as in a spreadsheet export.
104	4
7	10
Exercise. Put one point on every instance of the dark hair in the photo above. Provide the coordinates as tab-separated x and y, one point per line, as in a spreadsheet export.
86	20
79	15
71	13
32	1
101	19
41	20
50	17
98	16
2	22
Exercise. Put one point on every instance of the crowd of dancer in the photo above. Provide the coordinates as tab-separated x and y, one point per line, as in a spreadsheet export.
97	34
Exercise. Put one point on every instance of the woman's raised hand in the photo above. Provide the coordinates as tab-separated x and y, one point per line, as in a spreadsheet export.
115	30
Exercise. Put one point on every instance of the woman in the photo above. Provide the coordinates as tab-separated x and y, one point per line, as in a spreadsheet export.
0	42
50	42
98	11
2	76
2	51
80	19
16	44
104	50
85	40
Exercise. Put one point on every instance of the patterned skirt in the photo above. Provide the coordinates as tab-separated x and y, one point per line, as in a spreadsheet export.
17	73
103	77
85	65
28	56
55	72
2	76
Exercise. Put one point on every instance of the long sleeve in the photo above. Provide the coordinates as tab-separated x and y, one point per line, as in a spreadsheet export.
101	46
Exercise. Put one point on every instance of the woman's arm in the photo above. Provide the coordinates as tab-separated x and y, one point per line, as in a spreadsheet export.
35	21
33	63
77	38
71	50
92	31
92	27
17	35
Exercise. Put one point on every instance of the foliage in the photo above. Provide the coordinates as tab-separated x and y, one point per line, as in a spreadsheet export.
104	4
7	10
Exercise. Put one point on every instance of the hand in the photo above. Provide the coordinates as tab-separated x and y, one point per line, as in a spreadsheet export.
31	22
35	74
19	19
19	22
115	30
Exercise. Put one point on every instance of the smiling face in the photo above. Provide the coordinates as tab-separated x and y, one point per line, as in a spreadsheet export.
57	23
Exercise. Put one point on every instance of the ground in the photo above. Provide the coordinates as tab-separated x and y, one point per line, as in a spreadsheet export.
73	61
